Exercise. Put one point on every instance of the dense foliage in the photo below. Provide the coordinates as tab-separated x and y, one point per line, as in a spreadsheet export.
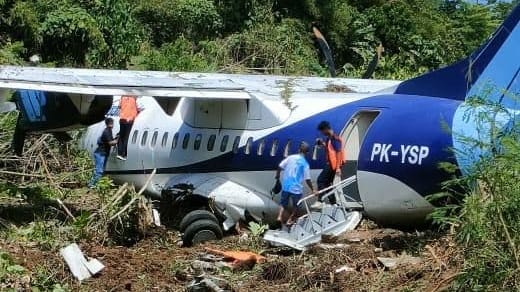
483	207
270	36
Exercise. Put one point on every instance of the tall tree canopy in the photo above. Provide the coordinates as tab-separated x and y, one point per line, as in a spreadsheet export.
267	36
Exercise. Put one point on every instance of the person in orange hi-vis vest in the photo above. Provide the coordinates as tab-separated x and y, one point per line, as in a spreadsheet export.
335	158
128	111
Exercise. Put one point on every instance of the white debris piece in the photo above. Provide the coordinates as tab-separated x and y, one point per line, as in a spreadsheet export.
78	264
156	217
389	263
404	259
344	269
332	246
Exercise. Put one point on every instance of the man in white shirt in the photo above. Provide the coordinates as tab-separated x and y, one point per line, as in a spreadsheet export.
295	170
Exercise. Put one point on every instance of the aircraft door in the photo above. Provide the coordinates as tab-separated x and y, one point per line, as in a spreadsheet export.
353	134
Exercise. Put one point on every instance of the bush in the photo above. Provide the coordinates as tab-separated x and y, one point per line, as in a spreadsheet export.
168	19
488	220
489	223
11	54
275	48
180	55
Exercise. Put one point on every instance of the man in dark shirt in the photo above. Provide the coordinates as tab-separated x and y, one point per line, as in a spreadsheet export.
105	142
335	158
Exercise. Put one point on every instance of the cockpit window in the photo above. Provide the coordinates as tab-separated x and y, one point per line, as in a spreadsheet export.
185	140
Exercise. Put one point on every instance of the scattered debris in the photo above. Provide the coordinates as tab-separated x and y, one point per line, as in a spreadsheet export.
332	246
331	87
156	217
199	265
240	259
344	269
404	259
354	240
78	264
205	283
378	250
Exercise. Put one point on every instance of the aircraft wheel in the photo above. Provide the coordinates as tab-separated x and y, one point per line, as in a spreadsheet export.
194	216
201	231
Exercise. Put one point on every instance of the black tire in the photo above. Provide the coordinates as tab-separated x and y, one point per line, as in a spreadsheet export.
194	216
201	231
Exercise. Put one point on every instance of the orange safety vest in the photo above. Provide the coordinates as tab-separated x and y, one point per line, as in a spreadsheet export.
127	108
334	158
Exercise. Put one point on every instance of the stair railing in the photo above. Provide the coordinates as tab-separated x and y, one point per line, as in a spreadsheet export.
330	191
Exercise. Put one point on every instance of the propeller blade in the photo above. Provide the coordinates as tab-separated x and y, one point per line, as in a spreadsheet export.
369	73
325	50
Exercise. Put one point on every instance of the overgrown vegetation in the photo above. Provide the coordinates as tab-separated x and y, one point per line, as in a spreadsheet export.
272	36
483	207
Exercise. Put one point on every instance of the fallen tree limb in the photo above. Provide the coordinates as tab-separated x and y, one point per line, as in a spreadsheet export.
22	174
66	209
141	191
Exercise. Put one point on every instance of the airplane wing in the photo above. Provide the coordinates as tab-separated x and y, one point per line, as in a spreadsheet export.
117	82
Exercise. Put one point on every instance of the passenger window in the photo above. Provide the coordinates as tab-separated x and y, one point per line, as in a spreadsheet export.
249	145
134	137
223	144
274	147
198	141
185	140
154	138
211	142
236	143
164	139
143	139
287	148
261	147
175	140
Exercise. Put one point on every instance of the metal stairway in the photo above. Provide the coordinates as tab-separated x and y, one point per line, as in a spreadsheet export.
329	220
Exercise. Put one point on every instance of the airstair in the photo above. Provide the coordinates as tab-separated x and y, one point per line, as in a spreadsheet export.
330	220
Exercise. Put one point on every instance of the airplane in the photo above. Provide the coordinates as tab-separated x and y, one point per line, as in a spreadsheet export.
214	141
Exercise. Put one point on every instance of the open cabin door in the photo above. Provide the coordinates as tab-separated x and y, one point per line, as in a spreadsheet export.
353	134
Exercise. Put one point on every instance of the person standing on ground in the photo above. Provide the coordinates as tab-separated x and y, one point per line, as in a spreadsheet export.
128	111
105	143
335	158
295	170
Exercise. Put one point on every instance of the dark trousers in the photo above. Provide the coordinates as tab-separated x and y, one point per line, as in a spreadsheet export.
124	132
325	180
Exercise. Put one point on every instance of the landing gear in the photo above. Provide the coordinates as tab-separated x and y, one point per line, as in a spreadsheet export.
201	231
194	216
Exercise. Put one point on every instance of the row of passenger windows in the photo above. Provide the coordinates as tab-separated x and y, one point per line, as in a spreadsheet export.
210	146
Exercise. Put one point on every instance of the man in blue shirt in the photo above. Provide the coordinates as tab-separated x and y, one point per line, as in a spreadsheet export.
295	170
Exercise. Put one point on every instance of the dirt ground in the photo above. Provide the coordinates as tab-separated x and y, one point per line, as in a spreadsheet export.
158	263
